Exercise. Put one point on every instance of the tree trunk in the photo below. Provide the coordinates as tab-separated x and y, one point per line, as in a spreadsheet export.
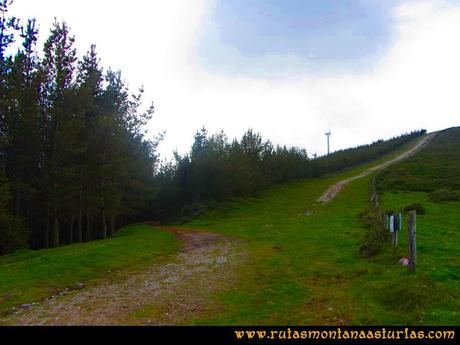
88	226
18	199
19	188
79	234
55	234
47	229
72	221
111	226
104	224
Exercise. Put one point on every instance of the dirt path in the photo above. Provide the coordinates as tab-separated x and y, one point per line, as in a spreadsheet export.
165	294
336	188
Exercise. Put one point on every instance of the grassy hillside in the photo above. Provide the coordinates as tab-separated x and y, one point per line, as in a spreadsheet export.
432	179
303	267
307	269
436	167
28	276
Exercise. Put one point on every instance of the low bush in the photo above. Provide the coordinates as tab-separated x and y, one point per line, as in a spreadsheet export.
375	235
415	207
443	195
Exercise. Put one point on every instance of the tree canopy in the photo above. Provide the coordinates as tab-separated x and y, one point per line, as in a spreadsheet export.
75	161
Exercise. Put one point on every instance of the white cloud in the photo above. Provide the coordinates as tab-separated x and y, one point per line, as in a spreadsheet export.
414	85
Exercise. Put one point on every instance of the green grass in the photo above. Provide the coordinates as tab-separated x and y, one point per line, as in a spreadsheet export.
300	269
27	276
436	286
430	179
436	167
307	269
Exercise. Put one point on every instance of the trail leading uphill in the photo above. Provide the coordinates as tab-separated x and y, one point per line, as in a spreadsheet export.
336	188
262	262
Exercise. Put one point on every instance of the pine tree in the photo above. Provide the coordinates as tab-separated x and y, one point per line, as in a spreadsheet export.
23	119
60	122
89	95
74	157
12	230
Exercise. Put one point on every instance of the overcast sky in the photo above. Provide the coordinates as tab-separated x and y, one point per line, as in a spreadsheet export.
290	69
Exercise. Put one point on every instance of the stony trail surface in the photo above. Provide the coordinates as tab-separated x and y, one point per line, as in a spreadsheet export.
336	188
164	294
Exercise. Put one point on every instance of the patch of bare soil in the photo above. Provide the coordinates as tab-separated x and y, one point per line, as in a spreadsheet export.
164	294
336	188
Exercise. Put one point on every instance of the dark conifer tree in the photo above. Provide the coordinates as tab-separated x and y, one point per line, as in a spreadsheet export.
76	162
60	125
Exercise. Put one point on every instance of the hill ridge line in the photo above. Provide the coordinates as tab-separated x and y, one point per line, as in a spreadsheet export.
332	192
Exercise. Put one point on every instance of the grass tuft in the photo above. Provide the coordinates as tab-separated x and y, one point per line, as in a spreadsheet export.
418	208
375	235
443	195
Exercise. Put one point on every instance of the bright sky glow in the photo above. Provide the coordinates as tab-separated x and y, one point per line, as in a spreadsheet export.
289	69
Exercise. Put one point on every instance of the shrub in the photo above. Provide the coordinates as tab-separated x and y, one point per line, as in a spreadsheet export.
375	235
409	295
443	195
415	207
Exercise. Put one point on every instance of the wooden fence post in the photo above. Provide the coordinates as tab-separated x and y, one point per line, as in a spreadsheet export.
374	196
411	240
397	228
396	238
392	226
